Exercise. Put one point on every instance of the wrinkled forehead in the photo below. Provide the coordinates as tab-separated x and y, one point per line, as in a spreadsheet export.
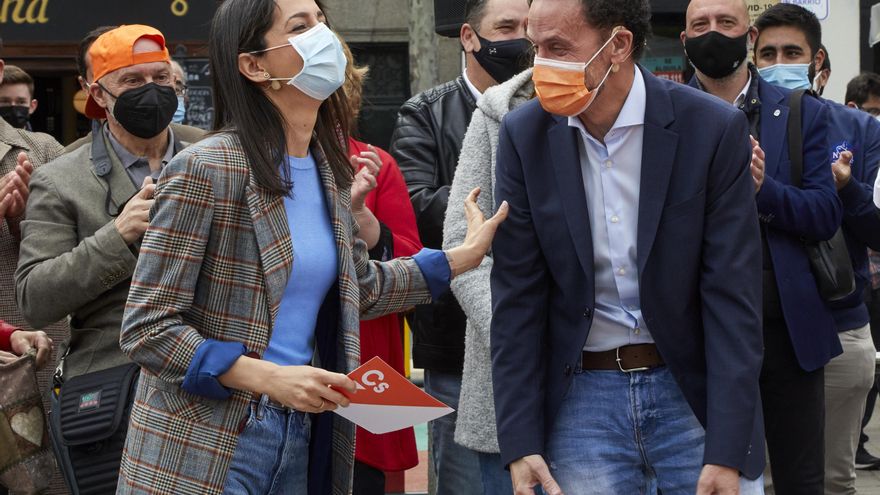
152	69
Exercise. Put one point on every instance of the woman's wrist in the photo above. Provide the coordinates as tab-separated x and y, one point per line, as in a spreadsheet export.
462	259
249	374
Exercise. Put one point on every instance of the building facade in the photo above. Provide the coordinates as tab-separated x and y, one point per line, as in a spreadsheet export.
394	37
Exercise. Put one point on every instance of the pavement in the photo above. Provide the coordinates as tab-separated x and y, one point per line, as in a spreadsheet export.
868	482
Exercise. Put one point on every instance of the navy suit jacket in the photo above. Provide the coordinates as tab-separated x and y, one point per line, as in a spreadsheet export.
813	212
699	262
859	133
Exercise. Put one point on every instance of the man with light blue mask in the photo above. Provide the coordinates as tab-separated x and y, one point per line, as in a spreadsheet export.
788	53
799	330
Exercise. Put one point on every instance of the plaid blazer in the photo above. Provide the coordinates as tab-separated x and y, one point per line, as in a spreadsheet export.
214	263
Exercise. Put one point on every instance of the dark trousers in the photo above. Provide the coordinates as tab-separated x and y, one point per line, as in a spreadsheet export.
794	416
874	312
368	480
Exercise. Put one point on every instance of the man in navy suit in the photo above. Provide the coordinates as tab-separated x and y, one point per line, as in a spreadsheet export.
626	331
799	331
789	49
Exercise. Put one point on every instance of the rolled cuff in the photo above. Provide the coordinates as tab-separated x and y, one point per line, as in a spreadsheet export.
435	269
212	359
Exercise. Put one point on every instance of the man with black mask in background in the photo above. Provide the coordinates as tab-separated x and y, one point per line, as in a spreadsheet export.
800	336
426	143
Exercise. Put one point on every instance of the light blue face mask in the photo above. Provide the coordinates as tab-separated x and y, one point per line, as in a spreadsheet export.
324	62
180	113
791	76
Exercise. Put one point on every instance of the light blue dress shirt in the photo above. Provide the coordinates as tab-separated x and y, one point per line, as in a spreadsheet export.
612	178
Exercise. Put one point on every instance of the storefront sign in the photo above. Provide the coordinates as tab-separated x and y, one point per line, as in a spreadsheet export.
47	21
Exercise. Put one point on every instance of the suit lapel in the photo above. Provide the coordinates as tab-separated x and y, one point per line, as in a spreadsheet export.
774	126
334	196
569	179
109	172
272	231
4	149
658	158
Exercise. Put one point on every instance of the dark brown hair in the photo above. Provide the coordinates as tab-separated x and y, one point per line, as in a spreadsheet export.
242	107
14	75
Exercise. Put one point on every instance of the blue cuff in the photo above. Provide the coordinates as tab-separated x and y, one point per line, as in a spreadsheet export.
854	195
212	359
435	269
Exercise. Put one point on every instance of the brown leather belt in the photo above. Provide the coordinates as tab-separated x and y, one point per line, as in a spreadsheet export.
629	358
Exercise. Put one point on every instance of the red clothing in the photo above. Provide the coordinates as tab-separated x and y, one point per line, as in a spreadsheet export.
389	202
5	334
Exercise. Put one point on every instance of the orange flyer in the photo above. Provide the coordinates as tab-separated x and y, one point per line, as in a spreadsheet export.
386	401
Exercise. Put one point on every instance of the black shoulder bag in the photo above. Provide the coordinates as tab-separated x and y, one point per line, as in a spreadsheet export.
89	423
829	259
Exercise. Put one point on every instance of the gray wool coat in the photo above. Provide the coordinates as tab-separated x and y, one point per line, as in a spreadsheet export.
475	427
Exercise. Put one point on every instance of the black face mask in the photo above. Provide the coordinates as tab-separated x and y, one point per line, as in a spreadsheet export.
17	115
145	111
503	59
717	55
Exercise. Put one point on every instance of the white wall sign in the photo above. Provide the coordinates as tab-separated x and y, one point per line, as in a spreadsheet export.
818	7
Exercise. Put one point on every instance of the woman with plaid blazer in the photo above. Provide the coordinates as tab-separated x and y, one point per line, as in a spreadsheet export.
221	255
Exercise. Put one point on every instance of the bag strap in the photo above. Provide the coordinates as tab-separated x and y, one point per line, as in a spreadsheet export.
796	136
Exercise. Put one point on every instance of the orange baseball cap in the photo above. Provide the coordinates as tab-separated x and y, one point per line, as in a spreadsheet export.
114	50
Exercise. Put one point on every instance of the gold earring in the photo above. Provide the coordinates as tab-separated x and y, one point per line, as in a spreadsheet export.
615	68
275	85
266	75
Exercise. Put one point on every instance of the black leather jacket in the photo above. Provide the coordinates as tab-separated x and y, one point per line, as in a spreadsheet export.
426	143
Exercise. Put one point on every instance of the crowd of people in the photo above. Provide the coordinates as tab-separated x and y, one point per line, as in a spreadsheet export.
622	284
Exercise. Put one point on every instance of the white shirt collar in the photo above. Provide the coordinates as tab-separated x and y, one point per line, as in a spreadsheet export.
741	97
470	85
633	111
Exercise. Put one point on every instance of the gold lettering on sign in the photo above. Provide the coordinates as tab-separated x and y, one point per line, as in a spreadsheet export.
24	11
179	7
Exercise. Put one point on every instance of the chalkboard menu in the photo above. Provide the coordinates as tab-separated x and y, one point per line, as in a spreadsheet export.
200	104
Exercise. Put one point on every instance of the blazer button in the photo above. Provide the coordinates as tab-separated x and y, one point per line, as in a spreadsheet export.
567	370
587	312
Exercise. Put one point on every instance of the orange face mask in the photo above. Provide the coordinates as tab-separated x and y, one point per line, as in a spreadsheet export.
561	86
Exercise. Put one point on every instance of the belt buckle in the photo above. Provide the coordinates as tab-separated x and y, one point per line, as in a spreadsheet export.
630	370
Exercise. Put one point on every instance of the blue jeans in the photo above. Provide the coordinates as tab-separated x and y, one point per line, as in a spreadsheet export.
456	468
272	454
619	433
496	479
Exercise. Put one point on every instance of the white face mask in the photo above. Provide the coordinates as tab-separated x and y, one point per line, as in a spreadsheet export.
324	62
